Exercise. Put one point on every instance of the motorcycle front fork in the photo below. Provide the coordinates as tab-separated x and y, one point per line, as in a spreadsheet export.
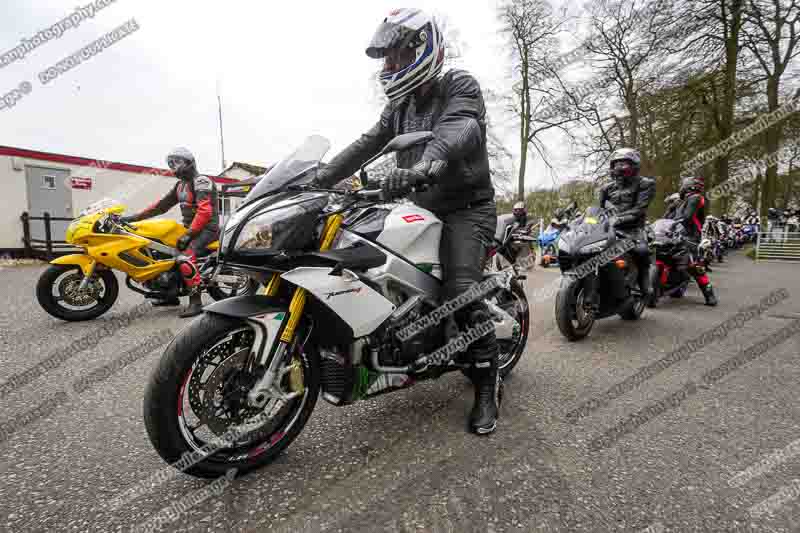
269	385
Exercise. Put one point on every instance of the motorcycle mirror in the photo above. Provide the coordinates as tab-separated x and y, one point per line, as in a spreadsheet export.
407	140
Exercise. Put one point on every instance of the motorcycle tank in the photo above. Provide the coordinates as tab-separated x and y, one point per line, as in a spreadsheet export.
412	232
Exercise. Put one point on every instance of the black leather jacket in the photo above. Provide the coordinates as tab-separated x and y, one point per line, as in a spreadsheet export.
454	111
631	201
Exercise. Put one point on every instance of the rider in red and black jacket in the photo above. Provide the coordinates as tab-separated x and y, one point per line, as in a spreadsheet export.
197	196
692	213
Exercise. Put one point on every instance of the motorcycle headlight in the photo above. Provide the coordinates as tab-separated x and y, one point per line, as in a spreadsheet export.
276	230
256	235
594	248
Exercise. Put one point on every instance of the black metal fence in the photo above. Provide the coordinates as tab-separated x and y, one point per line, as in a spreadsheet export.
46	248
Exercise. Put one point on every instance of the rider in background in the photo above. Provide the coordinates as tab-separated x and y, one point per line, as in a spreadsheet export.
691	212
520	214
631	195
197	196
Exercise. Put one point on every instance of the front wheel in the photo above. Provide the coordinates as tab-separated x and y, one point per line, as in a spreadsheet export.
58	292
198	394
574	320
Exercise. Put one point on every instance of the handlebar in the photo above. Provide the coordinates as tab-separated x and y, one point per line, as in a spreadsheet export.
372	193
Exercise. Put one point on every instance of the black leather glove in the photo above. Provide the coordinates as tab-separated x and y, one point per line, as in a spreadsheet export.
184	240
403	180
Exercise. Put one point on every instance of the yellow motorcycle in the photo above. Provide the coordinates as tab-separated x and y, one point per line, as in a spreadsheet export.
83	286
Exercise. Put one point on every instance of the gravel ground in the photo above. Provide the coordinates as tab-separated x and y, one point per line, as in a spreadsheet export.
404	462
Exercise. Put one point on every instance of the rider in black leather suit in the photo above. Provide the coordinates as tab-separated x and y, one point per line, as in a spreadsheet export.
454	166
631	195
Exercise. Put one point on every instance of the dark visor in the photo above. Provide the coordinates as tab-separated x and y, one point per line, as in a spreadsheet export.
388	36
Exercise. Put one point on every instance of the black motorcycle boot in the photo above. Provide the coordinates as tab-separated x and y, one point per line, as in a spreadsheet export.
488	396
708	293
195	306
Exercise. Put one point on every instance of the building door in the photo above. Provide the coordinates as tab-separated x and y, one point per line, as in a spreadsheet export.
49	191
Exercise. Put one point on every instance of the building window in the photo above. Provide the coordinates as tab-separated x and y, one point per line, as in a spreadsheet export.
49	182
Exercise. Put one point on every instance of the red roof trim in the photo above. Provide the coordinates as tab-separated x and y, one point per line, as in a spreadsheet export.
97	163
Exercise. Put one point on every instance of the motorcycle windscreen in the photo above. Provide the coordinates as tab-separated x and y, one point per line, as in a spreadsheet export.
292	170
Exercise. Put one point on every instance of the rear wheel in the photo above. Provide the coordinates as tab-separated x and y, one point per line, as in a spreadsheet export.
634	310
198	393
573	318
58	292
515	303
655	286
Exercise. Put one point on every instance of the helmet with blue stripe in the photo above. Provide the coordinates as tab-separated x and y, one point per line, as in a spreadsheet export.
413	49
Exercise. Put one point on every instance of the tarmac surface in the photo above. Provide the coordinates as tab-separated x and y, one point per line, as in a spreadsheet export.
405	462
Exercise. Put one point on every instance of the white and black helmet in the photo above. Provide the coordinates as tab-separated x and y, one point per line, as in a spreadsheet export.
415	35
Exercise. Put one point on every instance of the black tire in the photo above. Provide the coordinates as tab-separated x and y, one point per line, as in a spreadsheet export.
633	311
44	294
655	287
164	388
565	311
511	361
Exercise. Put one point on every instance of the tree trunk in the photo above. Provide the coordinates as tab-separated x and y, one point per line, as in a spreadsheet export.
525	116
754	201
769	191
729	95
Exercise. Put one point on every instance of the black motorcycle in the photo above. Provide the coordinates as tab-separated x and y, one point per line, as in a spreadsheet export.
599	275
513	243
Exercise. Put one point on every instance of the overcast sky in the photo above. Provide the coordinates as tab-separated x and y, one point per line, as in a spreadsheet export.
286	70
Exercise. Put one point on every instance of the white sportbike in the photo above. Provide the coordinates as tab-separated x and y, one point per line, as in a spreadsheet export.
349	288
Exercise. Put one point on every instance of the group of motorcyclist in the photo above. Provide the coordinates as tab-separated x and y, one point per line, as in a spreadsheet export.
449	176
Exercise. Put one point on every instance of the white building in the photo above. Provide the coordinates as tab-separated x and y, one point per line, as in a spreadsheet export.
36	182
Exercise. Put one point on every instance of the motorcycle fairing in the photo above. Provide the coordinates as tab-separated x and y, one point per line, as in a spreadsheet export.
358	305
